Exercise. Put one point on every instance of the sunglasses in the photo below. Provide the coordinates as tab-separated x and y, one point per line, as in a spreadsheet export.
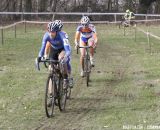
85	25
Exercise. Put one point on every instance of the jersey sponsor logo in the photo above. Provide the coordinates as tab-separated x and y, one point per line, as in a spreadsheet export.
66	42
66	35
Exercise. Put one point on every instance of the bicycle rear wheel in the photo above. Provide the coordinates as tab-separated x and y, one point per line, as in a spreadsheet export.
62	95
50	96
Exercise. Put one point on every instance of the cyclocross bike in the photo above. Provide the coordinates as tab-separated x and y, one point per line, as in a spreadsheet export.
56	92
87	64
127	23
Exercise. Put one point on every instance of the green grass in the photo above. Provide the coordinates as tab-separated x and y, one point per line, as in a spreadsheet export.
125	87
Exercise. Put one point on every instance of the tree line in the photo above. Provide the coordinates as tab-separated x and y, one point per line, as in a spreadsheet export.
137	6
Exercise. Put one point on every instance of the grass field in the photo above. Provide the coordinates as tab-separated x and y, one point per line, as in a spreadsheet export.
124	89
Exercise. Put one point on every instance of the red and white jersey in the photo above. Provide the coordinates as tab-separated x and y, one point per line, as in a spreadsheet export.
86	32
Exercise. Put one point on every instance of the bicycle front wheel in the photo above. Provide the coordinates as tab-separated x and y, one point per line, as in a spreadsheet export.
50	96
87	70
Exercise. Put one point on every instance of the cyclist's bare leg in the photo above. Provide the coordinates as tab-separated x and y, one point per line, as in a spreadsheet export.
92	52
61	56
65	72
91	43
82	51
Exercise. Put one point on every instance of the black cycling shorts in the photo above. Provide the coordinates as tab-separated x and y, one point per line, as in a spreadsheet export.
54	53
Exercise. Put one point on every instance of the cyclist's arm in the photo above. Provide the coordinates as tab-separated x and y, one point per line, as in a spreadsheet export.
67	46
95	37
94	34
47	48
44	41
77	37
67	50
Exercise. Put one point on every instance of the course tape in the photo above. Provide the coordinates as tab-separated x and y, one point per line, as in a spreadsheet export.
148	33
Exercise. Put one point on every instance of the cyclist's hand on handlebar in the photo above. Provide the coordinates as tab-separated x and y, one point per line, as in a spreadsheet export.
39	59
76	45
45	57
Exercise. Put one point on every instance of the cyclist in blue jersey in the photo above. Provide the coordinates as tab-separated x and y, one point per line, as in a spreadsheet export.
55	45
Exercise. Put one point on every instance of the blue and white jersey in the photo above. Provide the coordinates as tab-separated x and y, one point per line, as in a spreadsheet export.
59	42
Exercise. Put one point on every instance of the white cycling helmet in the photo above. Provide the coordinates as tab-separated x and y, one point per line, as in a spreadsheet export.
85	20
55	26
